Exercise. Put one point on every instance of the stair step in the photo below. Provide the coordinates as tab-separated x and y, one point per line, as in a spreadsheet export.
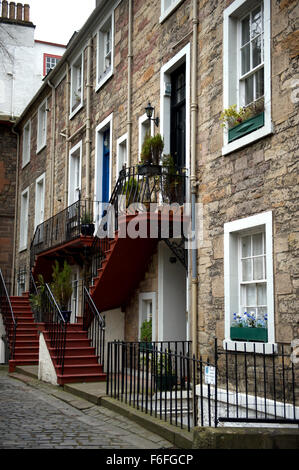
80	378
78	351
78	369
79	360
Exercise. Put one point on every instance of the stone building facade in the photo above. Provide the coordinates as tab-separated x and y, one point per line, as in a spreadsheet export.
246	187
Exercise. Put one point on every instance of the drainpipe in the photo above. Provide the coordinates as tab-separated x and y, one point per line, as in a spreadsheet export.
13	275
88	118
130	63
193	180
52	153
66	161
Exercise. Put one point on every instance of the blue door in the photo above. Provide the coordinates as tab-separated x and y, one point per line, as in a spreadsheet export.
106	165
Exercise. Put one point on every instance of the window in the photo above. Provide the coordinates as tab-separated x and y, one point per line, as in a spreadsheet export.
76	85
105	51
24	220
42	126
248	271
75	174
247	69
26	143
39	201
49	62
122	154
147	306
167	7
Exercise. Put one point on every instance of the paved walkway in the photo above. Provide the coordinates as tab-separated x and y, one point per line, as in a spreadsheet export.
44	417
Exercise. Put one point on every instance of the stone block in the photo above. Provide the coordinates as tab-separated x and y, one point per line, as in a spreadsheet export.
283	284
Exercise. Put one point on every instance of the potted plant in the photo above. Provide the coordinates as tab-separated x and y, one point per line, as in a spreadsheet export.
151	152
146	335
243	121
62	287
248	327
87	225
165	375
37	300
170	179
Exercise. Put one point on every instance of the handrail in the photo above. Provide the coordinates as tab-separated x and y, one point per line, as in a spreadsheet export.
11	322
95	329
53	300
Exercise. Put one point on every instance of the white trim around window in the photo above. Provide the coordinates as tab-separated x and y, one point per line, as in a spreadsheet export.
144	126
167	8
231	67
39	211
26	144
121	153
105	50
42	126
24	220
147	308
75	169
77	74
232	232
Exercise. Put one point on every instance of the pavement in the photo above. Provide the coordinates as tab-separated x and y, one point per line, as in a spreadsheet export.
37	415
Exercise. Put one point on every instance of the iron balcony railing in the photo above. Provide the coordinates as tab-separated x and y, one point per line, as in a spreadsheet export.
9	320
69	224
234	387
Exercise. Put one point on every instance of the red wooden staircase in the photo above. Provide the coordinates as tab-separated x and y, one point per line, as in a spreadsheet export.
80	360
27	340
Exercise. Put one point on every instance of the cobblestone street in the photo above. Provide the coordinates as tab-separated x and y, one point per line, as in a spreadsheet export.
33	418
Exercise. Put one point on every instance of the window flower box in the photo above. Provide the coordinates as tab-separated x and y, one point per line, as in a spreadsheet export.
249	334
246	127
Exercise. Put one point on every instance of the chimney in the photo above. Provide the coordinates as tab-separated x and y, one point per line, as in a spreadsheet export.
4	9
26	12
19	11
12	10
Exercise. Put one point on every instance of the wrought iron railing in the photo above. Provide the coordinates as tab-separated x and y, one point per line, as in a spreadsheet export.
94	324
56	326
65	226
9	320
234	387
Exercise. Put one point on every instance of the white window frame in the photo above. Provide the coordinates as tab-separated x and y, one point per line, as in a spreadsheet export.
123	140
42	130
102	76
24	214
144	297
79	86
166	11
77	149
143	123
39	202
26	144
232	232
231	66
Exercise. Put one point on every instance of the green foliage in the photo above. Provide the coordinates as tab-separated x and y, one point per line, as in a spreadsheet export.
62	285
230	117
146	331
38	299
152	149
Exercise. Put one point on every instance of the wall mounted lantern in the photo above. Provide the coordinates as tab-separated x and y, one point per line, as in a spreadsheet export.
149	112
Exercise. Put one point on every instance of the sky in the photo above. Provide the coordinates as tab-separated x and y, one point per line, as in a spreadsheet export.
56	20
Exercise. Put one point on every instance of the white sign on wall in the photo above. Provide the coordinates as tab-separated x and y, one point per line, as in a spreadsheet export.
210	375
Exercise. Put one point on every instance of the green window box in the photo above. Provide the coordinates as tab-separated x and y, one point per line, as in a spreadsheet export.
246	127
249	334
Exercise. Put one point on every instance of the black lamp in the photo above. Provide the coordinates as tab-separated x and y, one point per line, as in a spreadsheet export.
149	112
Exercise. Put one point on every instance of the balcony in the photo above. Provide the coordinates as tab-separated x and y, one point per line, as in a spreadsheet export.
67	232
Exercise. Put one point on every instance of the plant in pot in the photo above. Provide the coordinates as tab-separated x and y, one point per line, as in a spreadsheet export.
151	153
247	327
87	225
38	300
165	375
243	121
62	287
146	335
170	179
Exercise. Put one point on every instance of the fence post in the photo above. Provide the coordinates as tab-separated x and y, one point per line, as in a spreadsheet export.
216	377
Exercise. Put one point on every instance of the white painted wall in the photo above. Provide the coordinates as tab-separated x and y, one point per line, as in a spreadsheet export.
21	71
2	345
171	298
114	328
46	369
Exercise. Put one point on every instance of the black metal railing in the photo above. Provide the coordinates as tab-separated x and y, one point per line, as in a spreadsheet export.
94	324
56	326
234	387
149	184
67	225
9	320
